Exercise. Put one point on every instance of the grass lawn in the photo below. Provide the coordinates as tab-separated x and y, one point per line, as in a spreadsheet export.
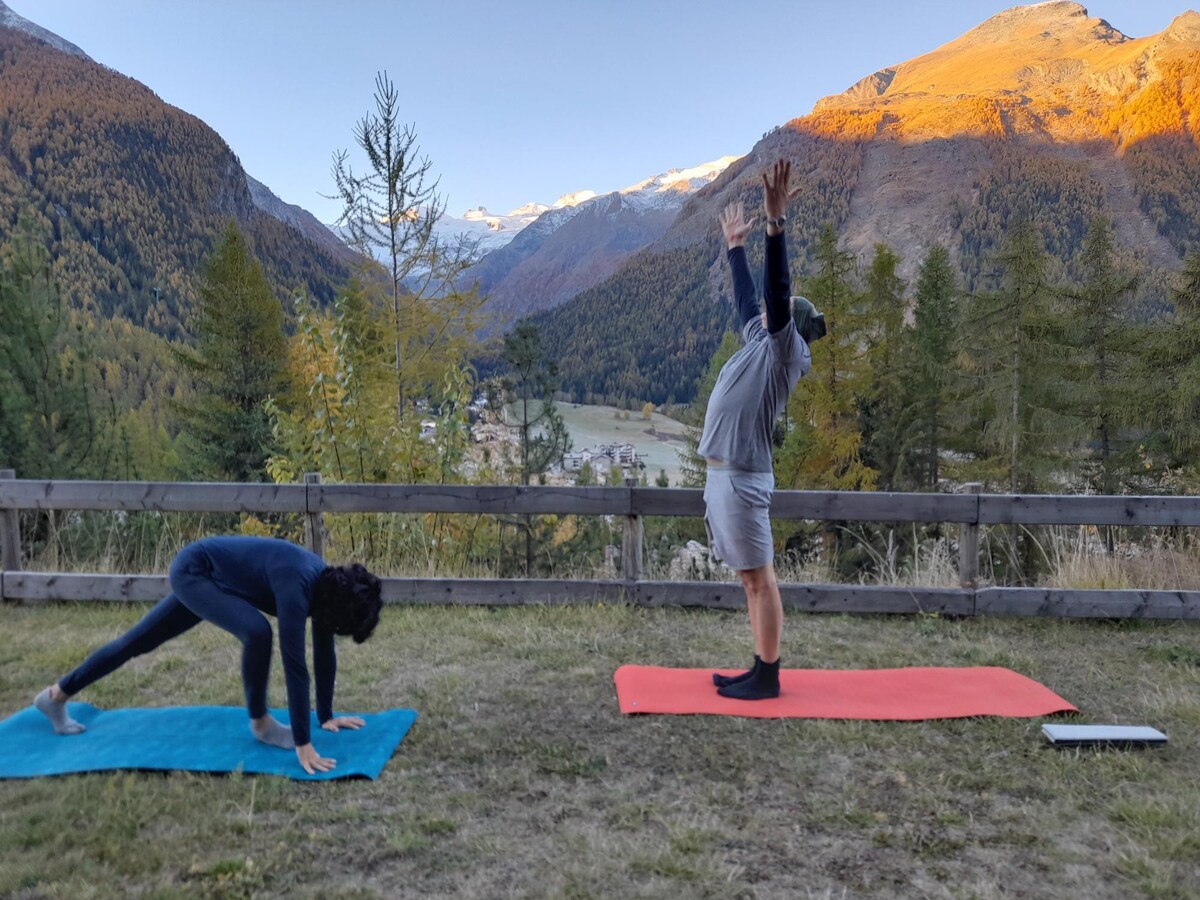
521	779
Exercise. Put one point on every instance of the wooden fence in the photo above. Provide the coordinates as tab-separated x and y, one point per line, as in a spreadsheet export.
969	511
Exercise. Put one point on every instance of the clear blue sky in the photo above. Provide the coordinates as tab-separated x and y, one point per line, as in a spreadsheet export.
514	101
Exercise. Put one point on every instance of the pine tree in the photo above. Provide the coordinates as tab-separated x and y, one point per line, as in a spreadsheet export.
1013	357
52	424
237	364
529	393
1015	393
1106	387
144	451
928	371
884	406
1173	360
529	390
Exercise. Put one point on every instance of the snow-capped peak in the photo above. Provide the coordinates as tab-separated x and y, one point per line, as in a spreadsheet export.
10	19
529	209
671	187
492	231
573	199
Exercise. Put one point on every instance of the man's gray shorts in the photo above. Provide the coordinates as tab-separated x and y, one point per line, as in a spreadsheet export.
737	515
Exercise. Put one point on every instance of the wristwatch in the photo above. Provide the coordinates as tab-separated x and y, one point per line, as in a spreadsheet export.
777	223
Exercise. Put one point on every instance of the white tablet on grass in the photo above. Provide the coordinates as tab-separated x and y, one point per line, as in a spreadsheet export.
1100	735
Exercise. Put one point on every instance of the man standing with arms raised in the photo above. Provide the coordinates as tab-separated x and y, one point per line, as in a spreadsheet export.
751	392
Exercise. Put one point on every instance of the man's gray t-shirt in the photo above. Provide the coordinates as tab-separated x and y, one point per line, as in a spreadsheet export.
751	391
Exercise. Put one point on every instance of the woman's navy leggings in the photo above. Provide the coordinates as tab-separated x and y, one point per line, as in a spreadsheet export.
194	597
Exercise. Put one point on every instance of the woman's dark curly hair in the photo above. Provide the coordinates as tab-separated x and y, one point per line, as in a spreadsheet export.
346	601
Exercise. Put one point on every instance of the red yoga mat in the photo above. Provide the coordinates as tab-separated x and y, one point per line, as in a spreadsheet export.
884	694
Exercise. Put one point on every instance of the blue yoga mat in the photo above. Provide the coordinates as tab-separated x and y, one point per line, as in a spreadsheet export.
189	738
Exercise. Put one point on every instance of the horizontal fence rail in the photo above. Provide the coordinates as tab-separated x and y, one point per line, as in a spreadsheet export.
970	511
866	506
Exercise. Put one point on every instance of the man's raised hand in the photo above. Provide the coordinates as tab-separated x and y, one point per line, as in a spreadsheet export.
734	224
775	190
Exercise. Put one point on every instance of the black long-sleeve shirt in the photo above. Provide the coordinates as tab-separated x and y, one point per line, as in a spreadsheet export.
754	384
777	285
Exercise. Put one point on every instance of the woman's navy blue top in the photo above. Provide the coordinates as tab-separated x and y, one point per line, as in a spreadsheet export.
277	577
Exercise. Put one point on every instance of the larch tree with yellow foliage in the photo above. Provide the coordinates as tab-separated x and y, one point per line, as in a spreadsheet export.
390	209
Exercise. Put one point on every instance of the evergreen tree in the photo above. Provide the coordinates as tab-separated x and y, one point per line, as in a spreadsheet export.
884	405
929	368
1106	385
1172	412
1016	389
1014	360
823	446
144	451
51	423
237	363
529	392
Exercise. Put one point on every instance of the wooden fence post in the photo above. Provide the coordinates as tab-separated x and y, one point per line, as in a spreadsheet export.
968	544
10	533
631	547
314	528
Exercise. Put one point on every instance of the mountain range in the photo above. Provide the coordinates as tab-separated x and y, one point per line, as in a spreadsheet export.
1040	112
531	259
540	255
581	241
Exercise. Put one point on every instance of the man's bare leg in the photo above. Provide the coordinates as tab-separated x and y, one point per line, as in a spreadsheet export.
752	610
765	607
766	610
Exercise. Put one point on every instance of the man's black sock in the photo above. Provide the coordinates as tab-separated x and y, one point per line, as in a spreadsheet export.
724	680
763	684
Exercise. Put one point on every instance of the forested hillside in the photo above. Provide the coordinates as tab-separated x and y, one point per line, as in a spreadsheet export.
128	193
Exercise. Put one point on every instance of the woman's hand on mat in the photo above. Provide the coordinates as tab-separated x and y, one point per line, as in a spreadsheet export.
734	224
339	722
312	761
